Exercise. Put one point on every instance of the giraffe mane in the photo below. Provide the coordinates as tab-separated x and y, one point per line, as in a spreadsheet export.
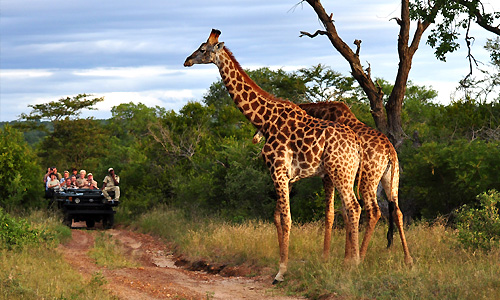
326	104
255	86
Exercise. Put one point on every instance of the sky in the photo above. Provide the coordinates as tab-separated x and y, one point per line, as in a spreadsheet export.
133	51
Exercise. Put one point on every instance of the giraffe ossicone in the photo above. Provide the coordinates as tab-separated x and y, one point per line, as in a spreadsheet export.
297	146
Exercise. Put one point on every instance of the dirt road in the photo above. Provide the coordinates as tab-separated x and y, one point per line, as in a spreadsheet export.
158	277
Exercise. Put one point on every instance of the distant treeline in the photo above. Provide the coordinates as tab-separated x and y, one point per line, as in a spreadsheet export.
202	156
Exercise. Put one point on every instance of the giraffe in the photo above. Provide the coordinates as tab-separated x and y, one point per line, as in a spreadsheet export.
297	146
380	164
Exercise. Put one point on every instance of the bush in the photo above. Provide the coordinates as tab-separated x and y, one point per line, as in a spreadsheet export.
479	228
17	233
20	178
442	177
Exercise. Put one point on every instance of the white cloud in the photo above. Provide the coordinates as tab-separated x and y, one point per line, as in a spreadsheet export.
24	73
133	51
128	72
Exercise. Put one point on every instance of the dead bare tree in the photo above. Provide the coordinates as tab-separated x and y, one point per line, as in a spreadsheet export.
177	146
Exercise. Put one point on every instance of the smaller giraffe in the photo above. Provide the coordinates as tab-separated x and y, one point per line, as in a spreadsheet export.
380	164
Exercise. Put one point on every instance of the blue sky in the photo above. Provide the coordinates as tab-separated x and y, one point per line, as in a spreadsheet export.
134	50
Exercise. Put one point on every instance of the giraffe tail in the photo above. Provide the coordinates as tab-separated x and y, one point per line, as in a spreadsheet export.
392	199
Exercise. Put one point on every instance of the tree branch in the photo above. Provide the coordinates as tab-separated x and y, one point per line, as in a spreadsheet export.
318	32
481	20
375	96
358	44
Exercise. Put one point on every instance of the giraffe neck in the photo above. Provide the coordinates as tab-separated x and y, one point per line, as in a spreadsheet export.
252	101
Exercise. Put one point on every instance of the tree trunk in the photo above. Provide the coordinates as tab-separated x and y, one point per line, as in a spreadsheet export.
387	121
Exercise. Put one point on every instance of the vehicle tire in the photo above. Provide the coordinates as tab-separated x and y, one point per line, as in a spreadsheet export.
67	220
90	223
108	221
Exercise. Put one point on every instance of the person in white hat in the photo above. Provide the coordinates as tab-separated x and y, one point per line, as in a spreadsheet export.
81	182
92	184
111	183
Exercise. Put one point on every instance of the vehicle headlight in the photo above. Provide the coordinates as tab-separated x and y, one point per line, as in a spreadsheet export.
77	200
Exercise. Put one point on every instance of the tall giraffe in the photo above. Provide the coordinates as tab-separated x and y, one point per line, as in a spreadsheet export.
380	164
297	146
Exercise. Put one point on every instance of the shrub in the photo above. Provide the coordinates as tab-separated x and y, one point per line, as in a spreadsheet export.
16	233
20	178
479	227
442	177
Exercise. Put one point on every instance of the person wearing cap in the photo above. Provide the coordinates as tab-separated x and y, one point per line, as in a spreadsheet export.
111	183
65	176
81	182
92	184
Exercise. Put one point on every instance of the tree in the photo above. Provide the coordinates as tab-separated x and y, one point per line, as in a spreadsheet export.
488	82
325	84
443	38
21	177
55	111
75	143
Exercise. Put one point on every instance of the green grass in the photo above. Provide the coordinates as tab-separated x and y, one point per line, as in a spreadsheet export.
41	273
38	271
442	269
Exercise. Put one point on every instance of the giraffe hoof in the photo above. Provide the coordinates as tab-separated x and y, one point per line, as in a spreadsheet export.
409	261
275	282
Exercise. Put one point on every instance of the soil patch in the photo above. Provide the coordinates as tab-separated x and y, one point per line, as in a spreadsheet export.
161	275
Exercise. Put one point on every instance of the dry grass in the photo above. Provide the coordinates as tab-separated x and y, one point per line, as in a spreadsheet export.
109	253
442	269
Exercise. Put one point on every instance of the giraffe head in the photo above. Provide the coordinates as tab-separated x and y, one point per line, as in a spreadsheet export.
207	51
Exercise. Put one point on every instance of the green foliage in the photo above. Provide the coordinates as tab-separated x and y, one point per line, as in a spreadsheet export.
450	18
493	46
442	177
60	109
325	84
249	190
201	157
16	233
479	225
290	86
20	176
75	143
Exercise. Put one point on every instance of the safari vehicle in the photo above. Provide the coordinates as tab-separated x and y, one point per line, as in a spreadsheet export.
86	205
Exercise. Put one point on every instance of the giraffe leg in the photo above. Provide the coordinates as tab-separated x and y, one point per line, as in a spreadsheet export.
398	217
369	192
351	212
347	250
391	191
329	215
283	223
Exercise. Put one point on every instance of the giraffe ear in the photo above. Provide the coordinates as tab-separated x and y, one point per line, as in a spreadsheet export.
219	46
214	37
